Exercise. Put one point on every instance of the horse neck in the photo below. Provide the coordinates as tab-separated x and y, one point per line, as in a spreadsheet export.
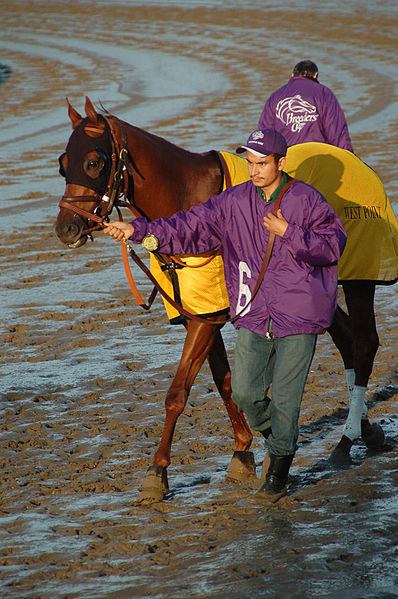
168	178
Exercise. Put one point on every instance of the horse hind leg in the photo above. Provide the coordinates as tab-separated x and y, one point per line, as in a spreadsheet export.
242	465
360	304
341	334
198	341
356	337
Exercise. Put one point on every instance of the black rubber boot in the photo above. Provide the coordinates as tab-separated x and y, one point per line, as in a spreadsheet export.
274	486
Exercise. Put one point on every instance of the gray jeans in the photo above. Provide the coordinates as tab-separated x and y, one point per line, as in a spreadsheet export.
282	366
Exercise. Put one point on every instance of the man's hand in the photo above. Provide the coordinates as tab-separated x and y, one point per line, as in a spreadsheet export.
119	230
275	224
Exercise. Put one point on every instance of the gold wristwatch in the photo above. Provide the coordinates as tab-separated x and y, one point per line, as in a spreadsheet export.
150	242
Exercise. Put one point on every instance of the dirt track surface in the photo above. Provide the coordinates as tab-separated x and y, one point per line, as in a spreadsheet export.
84	371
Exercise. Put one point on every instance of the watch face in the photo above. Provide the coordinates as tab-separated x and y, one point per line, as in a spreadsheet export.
150	242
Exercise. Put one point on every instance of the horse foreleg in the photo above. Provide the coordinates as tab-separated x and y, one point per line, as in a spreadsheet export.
356	338
242	465
219	366
198	342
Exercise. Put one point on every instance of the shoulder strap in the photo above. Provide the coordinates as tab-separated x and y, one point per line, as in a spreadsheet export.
271	239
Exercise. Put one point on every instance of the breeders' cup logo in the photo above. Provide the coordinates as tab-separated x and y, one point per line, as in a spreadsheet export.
296	112
256	138
257	135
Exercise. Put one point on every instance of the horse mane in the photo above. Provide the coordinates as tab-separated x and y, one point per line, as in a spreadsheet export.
174	147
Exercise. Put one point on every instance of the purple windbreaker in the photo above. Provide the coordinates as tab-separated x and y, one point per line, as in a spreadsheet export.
299	288
305	110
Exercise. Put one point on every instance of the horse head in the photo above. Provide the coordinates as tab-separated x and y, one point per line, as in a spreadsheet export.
88	167
106	157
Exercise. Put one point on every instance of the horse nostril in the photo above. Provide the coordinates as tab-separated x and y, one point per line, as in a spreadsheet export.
71	229
68	232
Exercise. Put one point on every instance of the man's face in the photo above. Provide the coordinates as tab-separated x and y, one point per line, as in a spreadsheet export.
264	172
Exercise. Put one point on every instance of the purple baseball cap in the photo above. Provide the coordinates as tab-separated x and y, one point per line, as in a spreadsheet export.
264	142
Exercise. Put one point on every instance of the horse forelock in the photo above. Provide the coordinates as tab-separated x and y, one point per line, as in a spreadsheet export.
94	129
87	137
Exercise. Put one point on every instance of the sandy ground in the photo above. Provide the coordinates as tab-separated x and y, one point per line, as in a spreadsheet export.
84	371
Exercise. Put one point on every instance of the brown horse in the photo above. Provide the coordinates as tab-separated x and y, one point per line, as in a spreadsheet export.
106	158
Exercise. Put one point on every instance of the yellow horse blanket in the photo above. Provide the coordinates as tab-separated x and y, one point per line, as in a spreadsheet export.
354	191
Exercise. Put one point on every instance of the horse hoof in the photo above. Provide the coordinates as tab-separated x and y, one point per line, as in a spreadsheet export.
373	436
340	458
242	466
155	485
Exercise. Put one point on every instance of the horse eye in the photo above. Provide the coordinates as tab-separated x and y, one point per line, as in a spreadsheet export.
93	167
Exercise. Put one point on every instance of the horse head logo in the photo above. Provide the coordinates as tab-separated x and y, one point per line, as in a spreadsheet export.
289	108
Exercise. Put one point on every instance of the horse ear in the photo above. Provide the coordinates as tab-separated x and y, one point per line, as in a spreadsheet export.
90	111
73	115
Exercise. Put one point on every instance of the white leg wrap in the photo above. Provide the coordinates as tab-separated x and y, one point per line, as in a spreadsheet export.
352	428
350	379
364	414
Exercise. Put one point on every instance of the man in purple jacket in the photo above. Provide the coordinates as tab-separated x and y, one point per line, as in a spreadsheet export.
277	328
305	110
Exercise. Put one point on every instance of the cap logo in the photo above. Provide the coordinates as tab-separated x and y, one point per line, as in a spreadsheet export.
264	142
257	135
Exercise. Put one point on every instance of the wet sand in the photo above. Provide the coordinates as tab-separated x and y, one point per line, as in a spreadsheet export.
84	370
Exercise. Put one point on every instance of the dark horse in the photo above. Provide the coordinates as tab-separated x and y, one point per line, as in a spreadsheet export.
106	158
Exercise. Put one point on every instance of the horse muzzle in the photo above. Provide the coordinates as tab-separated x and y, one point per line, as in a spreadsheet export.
71	232
79	242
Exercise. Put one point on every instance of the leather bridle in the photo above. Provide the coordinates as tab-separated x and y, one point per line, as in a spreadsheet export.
118	184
